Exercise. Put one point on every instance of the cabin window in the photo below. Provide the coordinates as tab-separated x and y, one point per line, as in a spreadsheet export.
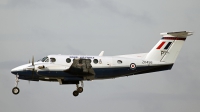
53	59
68	60
119	61
95	61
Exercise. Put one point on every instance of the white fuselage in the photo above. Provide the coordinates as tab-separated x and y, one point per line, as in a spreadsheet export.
106	66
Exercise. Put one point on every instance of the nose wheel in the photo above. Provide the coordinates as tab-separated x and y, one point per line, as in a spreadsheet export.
16	90
79	89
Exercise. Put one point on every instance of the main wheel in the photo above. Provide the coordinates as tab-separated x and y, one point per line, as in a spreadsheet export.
15	90
80	89
75	93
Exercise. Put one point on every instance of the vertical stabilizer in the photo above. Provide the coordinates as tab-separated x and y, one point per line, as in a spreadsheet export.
168	48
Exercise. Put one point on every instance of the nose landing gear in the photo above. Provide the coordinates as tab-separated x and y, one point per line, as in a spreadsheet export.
78	90
16	90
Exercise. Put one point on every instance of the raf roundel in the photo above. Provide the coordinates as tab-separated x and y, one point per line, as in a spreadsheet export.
132	66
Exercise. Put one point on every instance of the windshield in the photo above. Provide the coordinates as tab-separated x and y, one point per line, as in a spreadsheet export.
43	59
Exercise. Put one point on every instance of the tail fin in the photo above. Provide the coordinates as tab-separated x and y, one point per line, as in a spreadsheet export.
168	48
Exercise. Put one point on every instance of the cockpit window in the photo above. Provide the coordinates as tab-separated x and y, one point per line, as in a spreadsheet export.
47	60
53	59
43	59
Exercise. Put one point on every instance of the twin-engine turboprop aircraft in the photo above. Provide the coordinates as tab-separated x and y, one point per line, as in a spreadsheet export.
74	69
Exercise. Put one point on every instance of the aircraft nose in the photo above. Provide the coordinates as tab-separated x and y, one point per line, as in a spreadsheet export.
16	70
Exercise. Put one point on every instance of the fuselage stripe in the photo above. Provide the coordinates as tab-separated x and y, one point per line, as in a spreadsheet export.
173	38
160	45
167	46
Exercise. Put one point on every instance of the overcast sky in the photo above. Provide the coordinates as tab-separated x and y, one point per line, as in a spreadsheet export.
43	27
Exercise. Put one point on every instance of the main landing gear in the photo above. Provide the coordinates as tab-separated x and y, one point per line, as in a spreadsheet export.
16	90
78	89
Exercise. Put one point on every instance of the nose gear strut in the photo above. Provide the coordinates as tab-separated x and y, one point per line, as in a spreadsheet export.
16	90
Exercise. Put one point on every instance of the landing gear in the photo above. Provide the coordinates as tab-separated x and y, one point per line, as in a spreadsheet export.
75	93
78	90
16	90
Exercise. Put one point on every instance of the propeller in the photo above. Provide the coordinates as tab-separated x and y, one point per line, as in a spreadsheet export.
33	70
32	67
33	61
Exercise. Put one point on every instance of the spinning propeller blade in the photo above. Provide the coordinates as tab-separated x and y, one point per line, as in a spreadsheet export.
33	61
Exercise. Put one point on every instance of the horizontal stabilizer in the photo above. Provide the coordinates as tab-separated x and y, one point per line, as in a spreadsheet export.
176	34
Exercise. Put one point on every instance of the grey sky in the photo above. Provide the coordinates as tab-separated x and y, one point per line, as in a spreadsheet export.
43	27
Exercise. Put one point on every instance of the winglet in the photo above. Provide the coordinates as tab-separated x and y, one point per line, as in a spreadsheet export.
101	54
